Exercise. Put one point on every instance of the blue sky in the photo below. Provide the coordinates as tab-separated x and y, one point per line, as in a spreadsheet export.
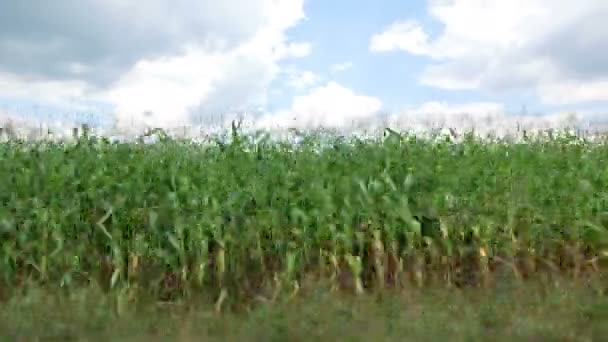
391	76
184	59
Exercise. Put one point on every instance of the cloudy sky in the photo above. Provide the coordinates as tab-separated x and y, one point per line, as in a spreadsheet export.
169	62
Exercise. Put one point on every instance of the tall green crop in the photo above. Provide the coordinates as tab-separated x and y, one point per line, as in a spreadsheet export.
236	219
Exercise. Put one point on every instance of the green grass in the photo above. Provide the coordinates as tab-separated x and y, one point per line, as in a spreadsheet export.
234	225
567	312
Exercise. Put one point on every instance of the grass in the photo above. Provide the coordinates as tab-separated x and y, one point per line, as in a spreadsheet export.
532	313
343	239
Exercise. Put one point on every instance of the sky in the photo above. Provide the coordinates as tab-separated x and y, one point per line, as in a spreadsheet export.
167	63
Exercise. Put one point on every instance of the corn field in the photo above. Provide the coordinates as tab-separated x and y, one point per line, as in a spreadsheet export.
243	219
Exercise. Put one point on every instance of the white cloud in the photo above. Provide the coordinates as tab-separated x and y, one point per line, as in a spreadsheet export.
51	90
483	117
172	58
500	46
435	114
339	67
334	106
473	108
128	30
402	35
301	79
565	92
329	106
299	49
